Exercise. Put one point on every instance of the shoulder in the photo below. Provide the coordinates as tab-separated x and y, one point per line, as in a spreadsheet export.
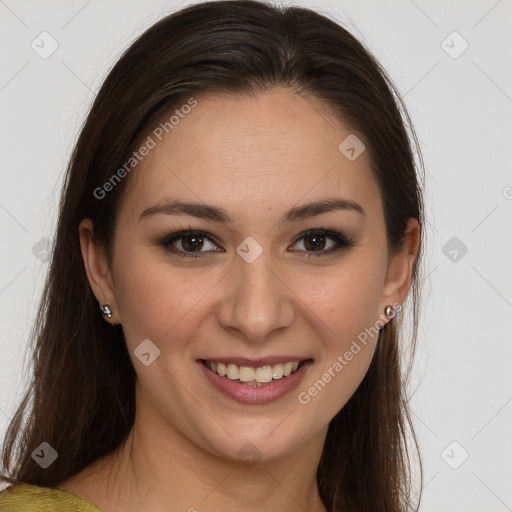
33	498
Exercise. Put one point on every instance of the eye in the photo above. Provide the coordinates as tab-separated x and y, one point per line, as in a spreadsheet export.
194	243
317	241
186	243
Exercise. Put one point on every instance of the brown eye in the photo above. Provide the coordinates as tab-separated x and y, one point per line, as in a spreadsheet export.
322	242
314	242
189	243
192	242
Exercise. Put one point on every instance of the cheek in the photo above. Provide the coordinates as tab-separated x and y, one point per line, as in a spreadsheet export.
345	300
349	307
152	297
346	303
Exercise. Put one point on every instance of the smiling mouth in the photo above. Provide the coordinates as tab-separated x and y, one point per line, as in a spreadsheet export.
251	376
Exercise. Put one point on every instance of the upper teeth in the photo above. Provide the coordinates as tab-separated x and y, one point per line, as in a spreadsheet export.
248	374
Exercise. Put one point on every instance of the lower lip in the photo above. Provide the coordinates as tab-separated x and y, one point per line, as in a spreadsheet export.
254	394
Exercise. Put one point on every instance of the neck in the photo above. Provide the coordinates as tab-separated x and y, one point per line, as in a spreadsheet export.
158	467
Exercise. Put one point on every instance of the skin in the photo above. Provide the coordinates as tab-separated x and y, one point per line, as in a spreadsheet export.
256	157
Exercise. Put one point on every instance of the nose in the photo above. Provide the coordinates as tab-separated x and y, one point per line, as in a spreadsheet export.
257	300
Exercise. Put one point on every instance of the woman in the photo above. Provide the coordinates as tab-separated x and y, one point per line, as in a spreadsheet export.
240	225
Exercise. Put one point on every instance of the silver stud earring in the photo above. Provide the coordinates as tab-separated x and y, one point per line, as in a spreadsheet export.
389	311
106	311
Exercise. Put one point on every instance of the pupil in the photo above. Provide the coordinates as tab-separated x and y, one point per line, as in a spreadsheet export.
318	241
192	242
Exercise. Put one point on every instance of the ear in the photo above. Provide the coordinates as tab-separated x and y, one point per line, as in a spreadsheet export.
400	267
97	268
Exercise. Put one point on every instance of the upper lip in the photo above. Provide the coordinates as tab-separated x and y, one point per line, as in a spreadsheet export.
256	363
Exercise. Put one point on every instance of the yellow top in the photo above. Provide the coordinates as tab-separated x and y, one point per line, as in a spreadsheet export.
32	498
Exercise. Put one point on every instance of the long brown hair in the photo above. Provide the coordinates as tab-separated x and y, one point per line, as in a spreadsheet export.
81	399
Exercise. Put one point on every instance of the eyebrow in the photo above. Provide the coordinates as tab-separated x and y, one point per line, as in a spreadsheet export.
216	214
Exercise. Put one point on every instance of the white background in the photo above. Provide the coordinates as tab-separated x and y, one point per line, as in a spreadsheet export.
461	108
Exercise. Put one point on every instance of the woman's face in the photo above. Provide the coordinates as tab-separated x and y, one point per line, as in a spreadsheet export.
253	290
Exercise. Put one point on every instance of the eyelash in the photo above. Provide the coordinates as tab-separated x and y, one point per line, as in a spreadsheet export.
342	242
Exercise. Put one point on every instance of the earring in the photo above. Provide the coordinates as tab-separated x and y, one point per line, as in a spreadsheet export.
389	311
106	311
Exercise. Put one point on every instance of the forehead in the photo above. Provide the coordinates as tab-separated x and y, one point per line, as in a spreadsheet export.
244	151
